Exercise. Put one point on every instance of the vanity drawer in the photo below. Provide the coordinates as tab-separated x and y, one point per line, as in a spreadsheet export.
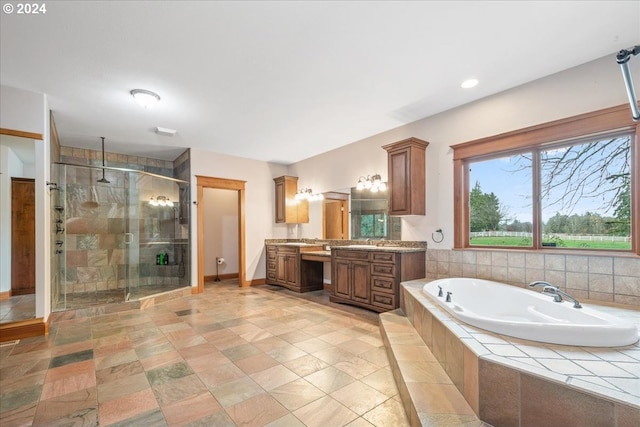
382	300
271	275
386	257
287	250
382	284
348	254
271	265
383	270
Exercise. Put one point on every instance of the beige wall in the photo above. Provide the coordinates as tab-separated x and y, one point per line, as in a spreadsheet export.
259	204
592	86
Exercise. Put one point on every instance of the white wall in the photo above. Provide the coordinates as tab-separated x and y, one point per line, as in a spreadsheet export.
28	111
21	110
220	230
10	166
589	87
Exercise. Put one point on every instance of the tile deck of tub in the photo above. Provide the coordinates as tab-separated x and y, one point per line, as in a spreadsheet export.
613	373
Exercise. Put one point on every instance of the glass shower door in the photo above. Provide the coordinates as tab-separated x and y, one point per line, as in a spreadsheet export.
131	237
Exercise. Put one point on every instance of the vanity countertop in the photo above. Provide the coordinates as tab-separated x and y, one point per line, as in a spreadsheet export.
297	244
402	249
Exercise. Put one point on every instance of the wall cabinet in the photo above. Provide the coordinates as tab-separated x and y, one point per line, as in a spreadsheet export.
288	210
286	268
371	278
406	169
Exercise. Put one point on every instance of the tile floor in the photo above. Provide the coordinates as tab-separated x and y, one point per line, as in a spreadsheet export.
229	356
18	307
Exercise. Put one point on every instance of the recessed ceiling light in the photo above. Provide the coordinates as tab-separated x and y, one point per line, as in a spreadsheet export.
146	98
467	84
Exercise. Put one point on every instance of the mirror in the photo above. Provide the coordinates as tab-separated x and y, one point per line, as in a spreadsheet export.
358	215
370	216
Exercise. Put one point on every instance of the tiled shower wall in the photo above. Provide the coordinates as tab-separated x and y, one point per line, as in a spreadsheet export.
94	242
614	279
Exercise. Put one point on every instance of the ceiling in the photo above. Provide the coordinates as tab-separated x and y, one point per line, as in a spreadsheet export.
284	81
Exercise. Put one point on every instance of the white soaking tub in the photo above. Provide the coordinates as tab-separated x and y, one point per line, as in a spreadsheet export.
528	314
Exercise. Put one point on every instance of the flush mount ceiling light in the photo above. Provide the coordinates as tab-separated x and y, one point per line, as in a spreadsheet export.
372	183
146	98
468	84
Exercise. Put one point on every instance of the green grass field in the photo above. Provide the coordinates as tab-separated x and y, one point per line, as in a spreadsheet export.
524	242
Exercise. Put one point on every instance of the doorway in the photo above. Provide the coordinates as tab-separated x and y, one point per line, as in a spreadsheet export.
221	184
335	212
220	234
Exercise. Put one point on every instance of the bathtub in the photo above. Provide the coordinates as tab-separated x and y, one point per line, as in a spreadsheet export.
527	314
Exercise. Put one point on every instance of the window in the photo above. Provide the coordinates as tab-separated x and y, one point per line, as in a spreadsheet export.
570	184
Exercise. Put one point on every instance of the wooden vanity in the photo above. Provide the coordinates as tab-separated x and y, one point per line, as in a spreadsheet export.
286	267
370	277
363	275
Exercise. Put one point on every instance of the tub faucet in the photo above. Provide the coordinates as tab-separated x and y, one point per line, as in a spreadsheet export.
448	299
555	292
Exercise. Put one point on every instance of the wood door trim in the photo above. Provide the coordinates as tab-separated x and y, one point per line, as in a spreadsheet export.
21	133
221	184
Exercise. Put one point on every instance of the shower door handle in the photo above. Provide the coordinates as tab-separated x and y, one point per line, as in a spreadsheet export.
128	238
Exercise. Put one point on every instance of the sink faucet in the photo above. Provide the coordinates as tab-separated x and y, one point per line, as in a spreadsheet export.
558	295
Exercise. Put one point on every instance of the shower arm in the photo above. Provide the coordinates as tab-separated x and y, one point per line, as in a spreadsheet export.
623	58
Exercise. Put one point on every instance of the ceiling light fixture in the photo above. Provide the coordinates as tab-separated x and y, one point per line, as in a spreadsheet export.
165	131
308	194
372	183
468	84
146	98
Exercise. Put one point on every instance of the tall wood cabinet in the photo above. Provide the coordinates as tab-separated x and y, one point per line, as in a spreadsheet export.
288	209
406	168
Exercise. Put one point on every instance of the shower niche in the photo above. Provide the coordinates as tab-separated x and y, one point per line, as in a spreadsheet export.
119	235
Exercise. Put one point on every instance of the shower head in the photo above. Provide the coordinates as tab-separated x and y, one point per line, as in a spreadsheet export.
92	202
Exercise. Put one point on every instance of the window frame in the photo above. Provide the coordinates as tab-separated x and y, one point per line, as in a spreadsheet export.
606	121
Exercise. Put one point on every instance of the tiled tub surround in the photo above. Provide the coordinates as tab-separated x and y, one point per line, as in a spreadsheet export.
607	278
514	382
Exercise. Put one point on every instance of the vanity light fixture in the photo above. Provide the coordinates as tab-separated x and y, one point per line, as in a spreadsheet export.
145	98
468	84
308	194
372	183
160	201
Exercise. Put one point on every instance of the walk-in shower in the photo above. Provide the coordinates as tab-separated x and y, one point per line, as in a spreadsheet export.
111	239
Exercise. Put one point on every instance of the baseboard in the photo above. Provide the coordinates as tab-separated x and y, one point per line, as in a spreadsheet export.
23	329
5	295
221	276
256	282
